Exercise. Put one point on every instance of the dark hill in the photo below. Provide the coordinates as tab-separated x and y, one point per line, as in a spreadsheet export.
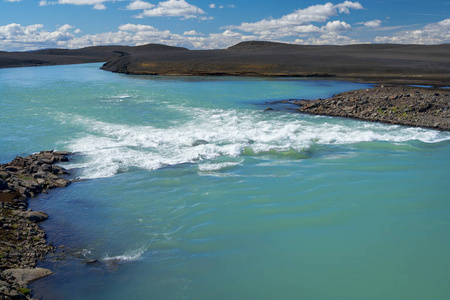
75	56
412	64
419	64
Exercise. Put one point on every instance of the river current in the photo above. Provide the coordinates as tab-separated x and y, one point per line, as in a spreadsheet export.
191	190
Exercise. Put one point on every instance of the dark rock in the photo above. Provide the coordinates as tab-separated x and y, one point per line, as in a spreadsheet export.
22	241
45	168
199	142
3	184
403	105
92	261
25	276
33	216
60	183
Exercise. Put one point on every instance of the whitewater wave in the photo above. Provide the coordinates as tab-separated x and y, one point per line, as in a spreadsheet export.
110	148
210	166
129	256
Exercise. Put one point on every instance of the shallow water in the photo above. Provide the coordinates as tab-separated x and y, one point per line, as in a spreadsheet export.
195	192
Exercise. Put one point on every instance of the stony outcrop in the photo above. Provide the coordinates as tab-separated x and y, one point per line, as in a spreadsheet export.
403	105
22	242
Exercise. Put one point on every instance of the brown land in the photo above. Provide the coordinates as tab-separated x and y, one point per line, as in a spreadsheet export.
375	63
380	63
50	57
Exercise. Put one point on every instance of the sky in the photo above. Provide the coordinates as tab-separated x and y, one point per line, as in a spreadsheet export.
217	24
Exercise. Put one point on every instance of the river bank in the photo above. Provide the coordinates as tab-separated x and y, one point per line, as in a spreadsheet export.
401	105
22	242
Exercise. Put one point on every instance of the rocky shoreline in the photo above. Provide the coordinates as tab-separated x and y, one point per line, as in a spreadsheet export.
22	242
401	105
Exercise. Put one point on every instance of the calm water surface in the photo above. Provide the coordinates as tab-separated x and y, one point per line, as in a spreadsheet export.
193	191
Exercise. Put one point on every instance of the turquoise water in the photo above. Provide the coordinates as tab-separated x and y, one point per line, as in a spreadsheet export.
193	191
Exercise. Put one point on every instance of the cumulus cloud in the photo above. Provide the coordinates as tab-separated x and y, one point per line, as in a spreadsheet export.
329	38
434	33
100	6
336	26
213	5
345	6
371	24
17	37
96	4
81	2
300	20
173	8
139	5
192	32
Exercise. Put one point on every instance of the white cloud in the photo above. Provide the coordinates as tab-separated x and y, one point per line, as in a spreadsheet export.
345	6
139	5
81	2
100	6
96	4
12	0
17	37
371	24
212	5
14	37
192	32
294	23
434	33
336	26
330	38
173	8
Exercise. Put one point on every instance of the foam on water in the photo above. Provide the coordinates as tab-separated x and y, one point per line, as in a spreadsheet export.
110	148
129	256
207	167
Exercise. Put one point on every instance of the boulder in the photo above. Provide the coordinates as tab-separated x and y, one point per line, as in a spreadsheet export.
3	184
25	276
45	168
199	142
61	182
33	216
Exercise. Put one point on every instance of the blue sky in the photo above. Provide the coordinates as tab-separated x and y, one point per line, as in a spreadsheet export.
212	24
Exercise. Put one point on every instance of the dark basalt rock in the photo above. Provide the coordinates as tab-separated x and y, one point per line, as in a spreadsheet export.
22	241
199	142
402	105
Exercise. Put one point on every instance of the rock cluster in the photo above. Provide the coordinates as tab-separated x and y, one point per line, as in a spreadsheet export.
403	105
22	241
